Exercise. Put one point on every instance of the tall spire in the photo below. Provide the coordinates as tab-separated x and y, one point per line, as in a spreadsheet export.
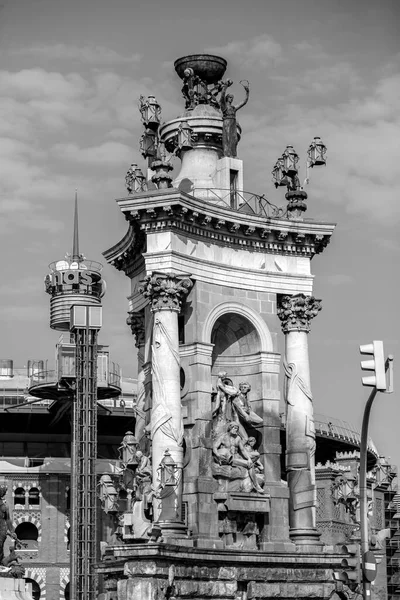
75	245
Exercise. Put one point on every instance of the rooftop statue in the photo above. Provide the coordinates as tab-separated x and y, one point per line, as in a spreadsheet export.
229	110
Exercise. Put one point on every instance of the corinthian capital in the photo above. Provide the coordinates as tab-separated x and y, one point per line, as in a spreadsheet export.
166	291
296	312
135	321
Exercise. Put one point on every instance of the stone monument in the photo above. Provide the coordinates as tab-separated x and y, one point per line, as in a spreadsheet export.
214	275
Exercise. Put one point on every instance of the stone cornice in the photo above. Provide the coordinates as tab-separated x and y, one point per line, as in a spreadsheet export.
156	210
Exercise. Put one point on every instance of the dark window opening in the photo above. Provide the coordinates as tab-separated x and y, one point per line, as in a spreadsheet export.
233	177
27	532
34	497
182	378
66	592
19	497
123	501
181	328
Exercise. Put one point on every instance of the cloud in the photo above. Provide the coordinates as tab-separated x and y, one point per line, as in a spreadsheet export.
361	128
38	83
260	51
92	55
336	279
107	154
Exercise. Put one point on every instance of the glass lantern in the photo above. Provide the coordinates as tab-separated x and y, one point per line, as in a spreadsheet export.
150	111
168	470
148	146
316	152
108	494
185	136
277	173
290	159
139	181
128	450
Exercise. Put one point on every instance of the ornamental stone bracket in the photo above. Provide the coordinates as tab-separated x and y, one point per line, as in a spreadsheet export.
166	291
136	322
296	312
128	250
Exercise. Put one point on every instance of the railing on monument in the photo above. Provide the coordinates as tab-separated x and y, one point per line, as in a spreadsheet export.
240	201
110	377
338	429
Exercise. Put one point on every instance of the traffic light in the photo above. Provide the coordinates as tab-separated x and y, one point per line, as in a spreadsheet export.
377	364
350	571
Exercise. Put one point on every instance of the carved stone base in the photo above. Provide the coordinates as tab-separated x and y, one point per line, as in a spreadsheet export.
159	571
15	589
306	537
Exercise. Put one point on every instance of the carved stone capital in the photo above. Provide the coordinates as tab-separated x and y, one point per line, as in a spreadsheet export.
296	312
166	291
135	321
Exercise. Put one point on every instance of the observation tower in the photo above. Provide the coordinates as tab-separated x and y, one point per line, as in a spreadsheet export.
82	376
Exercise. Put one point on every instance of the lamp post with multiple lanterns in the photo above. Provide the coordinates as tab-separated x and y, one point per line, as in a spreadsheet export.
285	174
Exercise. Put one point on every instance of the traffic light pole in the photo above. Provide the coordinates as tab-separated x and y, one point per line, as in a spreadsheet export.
363	478
363	491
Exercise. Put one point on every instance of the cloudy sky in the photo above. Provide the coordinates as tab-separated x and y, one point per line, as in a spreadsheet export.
70	76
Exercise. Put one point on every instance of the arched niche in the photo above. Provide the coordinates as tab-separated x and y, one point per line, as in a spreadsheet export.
233	336
28	532
239	310
239	336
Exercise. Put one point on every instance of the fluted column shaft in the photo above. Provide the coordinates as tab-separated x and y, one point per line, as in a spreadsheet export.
295	313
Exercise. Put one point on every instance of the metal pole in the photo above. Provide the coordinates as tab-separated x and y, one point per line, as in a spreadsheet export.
366	585
83	467
363	491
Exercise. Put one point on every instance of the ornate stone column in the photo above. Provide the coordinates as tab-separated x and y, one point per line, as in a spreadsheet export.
295	313
136	321
166	291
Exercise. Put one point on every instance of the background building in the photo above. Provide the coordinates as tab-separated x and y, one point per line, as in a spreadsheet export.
35	451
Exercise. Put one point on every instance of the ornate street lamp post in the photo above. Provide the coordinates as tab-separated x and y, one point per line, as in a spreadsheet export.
285	174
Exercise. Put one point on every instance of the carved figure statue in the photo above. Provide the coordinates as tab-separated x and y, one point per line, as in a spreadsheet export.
234	462
225	391
188	91
6	526
143	477
229	110
9	564
257	464
241	411
228	448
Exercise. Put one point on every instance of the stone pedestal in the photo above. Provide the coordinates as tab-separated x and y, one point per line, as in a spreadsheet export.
158	571
15	589
295	313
